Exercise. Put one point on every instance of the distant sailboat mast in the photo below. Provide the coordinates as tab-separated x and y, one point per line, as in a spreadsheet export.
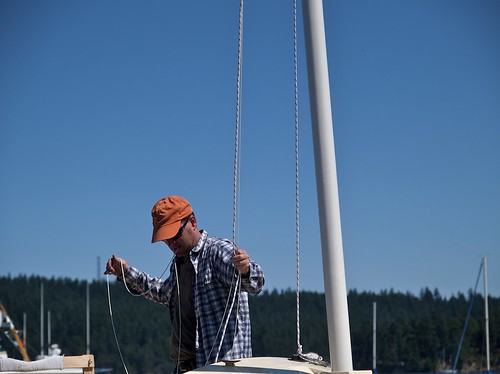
49	328
25	334
41	321
374	363
87	316
486	316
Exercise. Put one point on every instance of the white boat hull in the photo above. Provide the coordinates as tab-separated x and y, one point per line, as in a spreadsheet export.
279	365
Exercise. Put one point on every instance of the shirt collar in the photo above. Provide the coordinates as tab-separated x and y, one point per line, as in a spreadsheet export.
199	246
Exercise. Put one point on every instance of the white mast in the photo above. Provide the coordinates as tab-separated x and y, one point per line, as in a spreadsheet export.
326	181
486	316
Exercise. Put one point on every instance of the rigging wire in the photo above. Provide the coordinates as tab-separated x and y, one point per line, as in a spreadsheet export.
455	361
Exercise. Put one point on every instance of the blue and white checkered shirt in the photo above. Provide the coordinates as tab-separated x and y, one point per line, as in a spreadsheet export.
214	285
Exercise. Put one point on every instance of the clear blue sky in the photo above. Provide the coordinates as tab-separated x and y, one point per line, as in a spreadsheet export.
107	106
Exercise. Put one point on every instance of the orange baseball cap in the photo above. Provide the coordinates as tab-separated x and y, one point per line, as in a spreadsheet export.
167	216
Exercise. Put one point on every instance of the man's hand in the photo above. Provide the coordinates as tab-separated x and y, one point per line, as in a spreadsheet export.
241	261
115	265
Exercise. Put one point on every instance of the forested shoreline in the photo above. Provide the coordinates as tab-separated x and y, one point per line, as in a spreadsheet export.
415	333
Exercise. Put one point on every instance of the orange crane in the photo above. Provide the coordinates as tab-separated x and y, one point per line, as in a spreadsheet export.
7	326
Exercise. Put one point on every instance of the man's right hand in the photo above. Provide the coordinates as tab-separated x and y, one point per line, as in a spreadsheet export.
115	265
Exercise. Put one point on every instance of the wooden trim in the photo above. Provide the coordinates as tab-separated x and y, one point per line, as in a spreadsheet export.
86	362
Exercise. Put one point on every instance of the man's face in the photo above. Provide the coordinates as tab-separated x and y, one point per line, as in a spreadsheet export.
185	239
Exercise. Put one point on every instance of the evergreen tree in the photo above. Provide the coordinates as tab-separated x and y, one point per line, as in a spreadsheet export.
414	333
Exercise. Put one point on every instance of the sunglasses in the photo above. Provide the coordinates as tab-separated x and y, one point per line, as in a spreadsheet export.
181	230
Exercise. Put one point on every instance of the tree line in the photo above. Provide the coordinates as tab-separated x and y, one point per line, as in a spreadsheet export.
415	333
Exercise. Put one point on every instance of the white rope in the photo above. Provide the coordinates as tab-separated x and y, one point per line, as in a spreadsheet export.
225	316
148	290
111	310
236	194
236	165
113	326
235	228
180	316
236	295
297	223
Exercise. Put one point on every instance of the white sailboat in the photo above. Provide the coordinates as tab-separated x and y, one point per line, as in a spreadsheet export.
329	218
483	269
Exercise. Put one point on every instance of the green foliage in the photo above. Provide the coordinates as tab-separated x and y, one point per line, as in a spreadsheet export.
142	327
414	334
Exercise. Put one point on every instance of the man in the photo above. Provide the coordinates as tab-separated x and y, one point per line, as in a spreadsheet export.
206	291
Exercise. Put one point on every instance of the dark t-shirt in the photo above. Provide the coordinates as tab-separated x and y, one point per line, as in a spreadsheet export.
186	329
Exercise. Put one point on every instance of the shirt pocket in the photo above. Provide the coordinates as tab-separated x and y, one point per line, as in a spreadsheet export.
207	277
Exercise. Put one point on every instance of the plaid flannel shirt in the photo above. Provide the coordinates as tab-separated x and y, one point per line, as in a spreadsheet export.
214	286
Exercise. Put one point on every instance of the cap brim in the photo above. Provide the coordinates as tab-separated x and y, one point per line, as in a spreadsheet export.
166	232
